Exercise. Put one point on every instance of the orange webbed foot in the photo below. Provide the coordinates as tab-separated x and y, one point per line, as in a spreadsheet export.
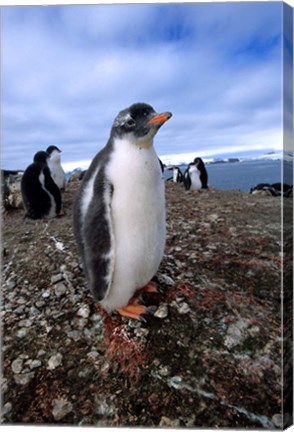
151	287
133	310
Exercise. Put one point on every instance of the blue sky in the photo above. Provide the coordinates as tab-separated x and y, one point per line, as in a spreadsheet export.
68	70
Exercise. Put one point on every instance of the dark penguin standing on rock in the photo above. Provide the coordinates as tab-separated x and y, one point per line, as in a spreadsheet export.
41	196
119	214
195	176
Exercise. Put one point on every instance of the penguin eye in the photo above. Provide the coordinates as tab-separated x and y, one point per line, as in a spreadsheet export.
130	123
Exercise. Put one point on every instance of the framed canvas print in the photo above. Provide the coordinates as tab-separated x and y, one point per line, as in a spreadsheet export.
147	215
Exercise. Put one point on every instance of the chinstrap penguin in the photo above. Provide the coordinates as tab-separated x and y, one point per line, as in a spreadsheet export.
177	174
56	169
41	196
195	176
119	213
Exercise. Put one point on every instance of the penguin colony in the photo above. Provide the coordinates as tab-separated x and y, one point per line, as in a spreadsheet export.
119	212
195	177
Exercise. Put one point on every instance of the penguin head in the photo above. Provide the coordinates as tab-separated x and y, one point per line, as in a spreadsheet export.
54	153
41	157
51	149
139	124
198	162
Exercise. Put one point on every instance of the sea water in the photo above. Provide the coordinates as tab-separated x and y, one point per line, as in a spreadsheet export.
244	175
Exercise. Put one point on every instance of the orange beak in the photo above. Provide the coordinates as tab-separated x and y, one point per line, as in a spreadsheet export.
160	118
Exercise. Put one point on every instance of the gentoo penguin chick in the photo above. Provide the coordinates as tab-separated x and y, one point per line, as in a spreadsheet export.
195	176
177	175
40	194
119	214
55	167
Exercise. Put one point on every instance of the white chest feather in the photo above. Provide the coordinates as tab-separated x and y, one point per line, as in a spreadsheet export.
138	218
57	171
175	175
52	212
195	178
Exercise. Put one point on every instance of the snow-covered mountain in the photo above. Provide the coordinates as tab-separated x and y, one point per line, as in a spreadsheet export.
185	158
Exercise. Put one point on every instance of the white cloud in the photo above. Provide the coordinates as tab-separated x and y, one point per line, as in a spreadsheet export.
67	71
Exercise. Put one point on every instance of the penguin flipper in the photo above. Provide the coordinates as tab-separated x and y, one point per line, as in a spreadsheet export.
187	180
99	244
52	187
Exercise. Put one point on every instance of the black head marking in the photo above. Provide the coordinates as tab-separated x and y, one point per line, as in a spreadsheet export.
41	157
134	119
51	149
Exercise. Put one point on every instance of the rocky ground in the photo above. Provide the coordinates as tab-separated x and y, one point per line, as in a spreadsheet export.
208	354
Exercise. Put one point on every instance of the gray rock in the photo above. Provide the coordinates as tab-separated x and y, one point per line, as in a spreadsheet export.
34	311
183	308
22	332
84	311
19	310
164	371
79	323
93	355
40	303
61	407
166	422
104	409
35	364
141	332
277	419
162	311
23	379
59	289
21	301
167	280
11	284
17	365
7	408
12	191
55	361
56	278
74	334
235	334
25	323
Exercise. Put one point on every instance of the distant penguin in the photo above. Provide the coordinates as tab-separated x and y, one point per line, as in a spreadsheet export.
275	189
195	176
41	196
56	169
119	213
177	174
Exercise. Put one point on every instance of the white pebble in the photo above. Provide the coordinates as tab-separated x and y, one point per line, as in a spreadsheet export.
55	361
161	312
16	366
61	407
84	311
59	289
22	332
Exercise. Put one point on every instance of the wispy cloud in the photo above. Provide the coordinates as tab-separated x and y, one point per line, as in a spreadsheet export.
68	70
